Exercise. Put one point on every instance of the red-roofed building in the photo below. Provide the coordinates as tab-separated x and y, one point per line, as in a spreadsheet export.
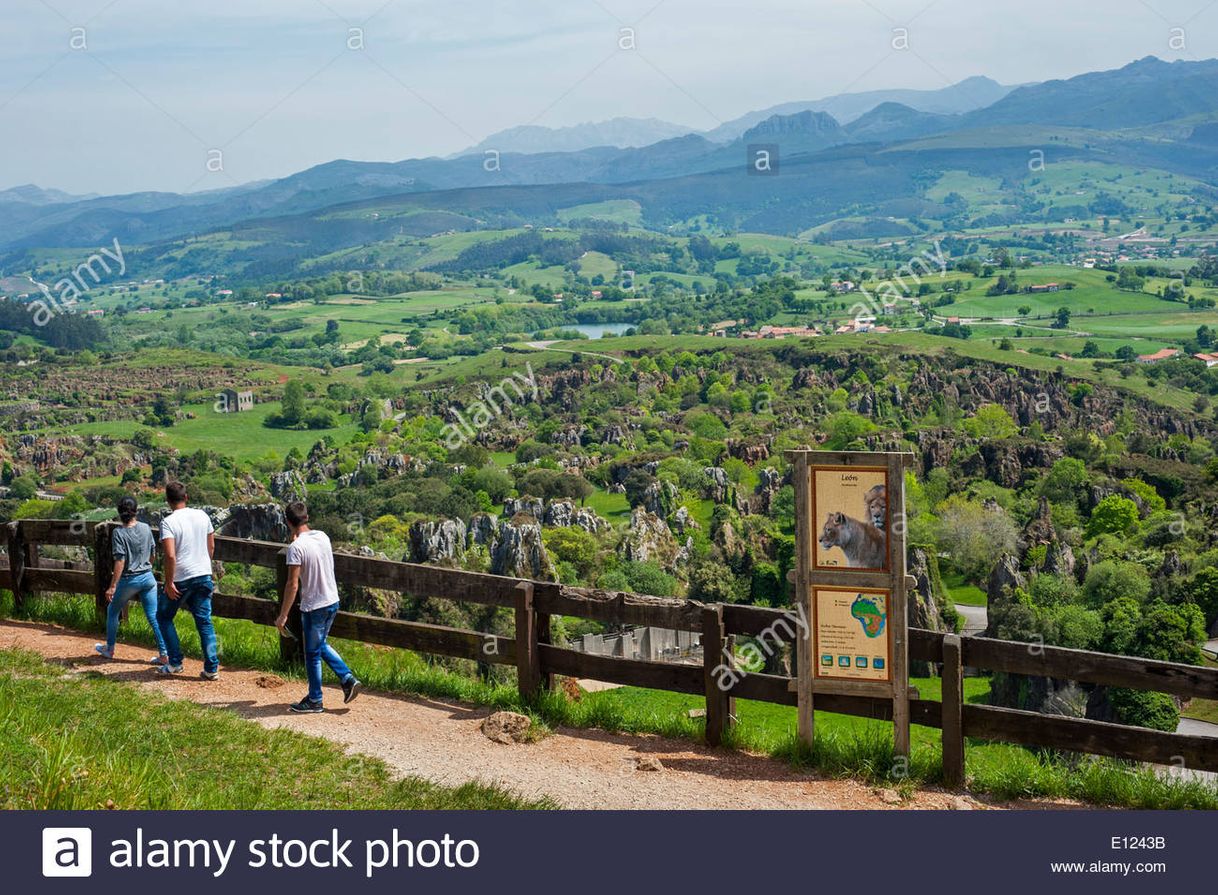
1161	354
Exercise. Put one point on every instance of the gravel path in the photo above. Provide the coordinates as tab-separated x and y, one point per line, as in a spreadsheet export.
441	741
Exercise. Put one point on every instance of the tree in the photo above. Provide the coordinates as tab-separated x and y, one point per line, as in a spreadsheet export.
1062	319
1113	515
974	535
24	487
292	407
1066	481
1113	580
991	421
1203	591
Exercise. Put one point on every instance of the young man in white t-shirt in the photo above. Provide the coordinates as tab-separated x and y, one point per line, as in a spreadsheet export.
310	563
188	542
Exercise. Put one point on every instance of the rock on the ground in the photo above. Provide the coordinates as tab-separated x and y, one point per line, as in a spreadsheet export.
506	727
648	763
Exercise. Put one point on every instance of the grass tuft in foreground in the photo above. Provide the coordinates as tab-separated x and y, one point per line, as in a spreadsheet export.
81	742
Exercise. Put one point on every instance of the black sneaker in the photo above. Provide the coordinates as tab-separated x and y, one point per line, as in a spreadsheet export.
306	706
351	688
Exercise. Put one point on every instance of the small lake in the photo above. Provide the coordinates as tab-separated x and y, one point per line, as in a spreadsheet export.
597	330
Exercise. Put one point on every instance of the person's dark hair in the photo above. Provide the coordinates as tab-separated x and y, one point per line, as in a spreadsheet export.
128	509
175	492
297	513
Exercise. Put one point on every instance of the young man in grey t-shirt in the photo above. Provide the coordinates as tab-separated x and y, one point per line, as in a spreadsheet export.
310	562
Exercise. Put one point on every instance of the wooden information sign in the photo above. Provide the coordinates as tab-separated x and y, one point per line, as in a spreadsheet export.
850	581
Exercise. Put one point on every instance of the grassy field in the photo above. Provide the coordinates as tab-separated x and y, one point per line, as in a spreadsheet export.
241	436
961	591
845	745
85	742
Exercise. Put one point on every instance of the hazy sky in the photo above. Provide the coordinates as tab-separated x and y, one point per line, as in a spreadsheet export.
279	85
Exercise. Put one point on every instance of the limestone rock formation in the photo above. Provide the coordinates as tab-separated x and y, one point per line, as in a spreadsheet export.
518	551
288	485
441	541
648	539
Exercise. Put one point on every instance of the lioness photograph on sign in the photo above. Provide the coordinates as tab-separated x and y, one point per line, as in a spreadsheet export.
850	507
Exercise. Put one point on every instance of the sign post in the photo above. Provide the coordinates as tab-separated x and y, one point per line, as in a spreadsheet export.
850	581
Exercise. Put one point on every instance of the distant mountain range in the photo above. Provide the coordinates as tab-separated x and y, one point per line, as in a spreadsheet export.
1149	112
624	133
629	133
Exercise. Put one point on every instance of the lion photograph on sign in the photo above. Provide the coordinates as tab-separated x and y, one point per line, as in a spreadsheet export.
851	512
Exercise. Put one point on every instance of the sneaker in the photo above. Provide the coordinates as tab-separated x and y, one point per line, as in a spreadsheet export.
169	669
102	650
210	675
351	688
159	660
306	706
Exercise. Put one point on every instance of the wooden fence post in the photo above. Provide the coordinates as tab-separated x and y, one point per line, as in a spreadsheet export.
953	710
16	563
544	635
718	700
528	656
291	648
103	567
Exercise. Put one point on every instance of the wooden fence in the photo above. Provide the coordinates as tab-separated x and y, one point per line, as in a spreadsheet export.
536	659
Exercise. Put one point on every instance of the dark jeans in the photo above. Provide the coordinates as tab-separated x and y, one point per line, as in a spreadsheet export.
141	585
315	626
195	595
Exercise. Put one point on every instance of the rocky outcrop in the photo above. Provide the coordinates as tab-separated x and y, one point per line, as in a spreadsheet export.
288	486
441	541
259	522
752	451
648	539
255	522
718	486
518	551
482	528
532	506
1005	579
683	522
1059	560
927	597
565	514
659	498
925	600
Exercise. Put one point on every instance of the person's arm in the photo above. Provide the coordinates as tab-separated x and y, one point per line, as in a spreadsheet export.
211	545
119	564
169	566
290	590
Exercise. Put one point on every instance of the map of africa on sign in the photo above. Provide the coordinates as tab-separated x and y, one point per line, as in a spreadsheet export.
851	634
868	614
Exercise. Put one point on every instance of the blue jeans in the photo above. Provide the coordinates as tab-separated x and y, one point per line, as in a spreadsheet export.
195	595
315	626
143	586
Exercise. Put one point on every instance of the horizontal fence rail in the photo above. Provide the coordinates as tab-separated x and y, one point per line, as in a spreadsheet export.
537	659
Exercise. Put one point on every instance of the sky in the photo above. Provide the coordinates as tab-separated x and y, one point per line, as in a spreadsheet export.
118	96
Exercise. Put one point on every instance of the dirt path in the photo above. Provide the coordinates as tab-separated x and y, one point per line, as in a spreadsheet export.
441	741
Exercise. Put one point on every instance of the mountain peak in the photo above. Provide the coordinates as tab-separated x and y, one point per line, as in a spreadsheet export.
806	122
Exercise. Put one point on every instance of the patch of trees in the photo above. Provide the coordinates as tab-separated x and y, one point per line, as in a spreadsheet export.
68	329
